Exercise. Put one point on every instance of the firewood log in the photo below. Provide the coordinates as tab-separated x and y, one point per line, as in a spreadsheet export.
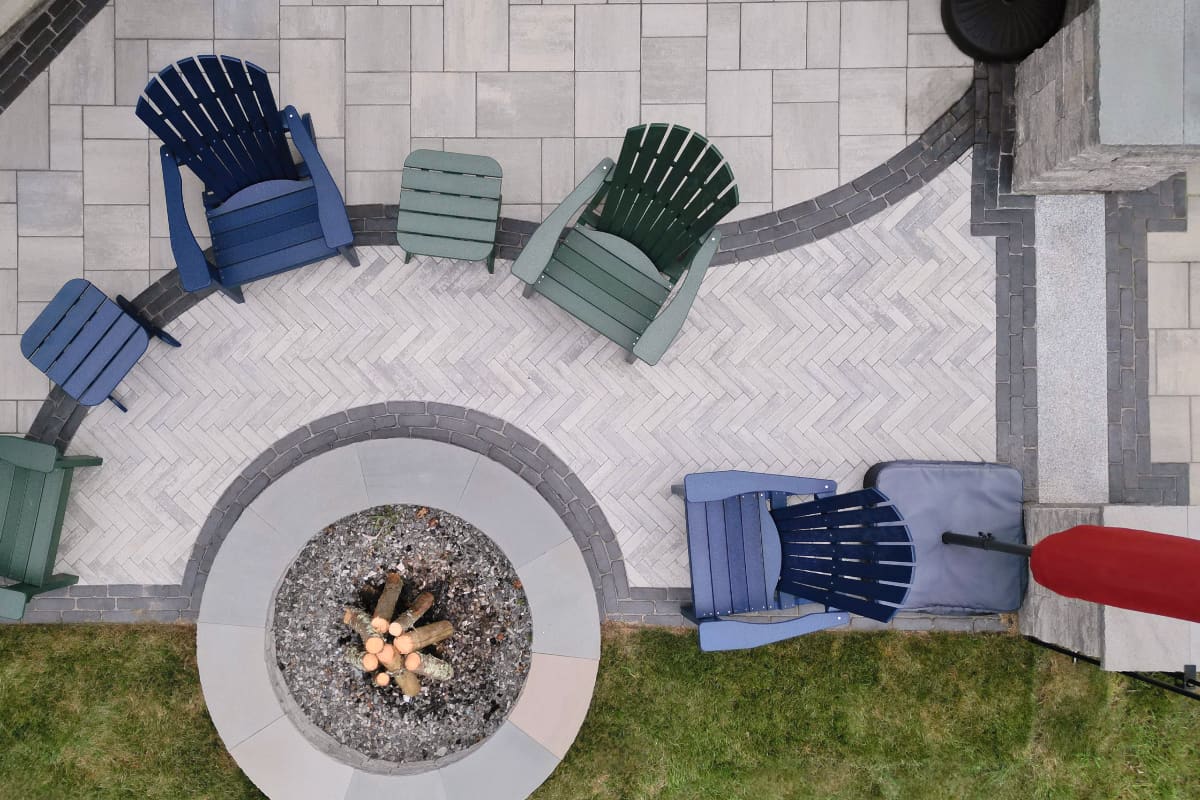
431	667
382	679
385	608
408	682
387	655
409	618
358	659
360	623
424	636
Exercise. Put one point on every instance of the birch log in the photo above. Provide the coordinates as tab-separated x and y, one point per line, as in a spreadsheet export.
409	618
385	608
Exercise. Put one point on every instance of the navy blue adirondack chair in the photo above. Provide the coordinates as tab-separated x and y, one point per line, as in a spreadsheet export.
750	551
216	116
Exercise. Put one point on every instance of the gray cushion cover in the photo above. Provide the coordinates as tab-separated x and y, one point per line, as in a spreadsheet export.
963	497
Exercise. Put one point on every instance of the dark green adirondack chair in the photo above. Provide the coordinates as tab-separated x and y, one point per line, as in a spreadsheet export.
34	483
649	219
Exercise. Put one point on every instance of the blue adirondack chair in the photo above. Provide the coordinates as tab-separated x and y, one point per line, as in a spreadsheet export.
750	551
216	116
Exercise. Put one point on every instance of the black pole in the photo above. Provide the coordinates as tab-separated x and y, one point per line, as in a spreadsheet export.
985	541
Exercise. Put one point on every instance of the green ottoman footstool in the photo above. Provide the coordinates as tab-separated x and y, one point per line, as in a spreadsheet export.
449	206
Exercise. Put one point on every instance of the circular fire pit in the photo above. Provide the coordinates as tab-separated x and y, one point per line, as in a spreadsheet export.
472	587
287	562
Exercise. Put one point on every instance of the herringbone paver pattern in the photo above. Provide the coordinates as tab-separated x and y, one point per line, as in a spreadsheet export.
875	343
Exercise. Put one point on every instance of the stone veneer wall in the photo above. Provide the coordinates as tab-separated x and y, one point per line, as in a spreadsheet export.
1065	144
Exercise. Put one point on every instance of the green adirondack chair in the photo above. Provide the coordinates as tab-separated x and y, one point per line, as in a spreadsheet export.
649	219
34	483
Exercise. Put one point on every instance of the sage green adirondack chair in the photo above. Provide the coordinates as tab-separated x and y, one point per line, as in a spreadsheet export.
34	483
649	220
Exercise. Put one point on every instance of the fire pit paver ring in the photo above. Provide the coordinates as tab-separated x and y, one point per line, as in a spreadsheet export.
233	625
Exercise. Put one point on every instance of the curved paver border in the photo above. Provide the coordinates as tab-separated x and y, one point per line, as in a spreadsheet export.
241	685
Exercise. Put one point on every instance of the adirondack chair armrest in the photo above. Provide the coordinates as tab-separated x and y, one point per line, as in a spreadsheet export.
331	208
71	462
28	454
732	634
707	487
666	326
194	270
540	247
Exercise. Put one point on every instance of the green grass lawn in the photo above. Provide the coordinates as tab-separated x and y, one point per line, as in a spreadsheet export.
116	712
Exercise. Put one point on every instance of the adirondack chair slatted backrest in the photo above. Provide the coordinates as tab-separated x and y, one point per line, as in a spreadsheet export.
217	116
850	551
669	188
30	520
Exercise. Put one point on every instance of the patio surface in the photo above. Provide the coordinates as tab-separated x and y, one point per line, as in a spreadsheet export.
872	344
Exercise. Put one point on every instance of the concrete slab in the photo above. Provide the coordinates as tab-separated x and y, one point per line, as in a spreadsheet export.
372	786
269	758
415	471
251	561
555	700
566	621
314	494
508	766
25	128
49	203
233	674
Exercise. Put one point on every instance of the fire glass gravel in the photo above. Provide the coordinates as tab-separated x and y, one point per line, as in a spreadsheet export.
475	588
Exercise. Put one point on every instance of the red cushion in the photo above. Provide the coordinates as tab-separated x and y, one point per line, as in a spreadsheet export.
1138	570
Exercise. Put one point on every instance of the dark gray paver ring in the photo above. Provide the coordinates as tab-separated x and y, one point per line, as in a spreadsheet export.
278	749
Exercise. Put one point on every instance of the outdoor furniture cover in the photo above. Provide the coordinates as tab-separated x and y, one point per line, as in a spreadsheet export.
34	483
749	551
966	498
266	214
449	206
649	219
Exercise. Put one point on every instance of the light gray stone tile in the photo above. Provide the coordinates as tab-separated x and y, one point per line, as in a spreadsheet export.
1195	447
376	137
524	211
1194	295
8	414
724	36
312	22
427	34
859	154
874	33
269	759
925	16
1178	356
872	101
676	19
246	19
8	186
1168	295
27	411
415	471
66	137
8	236
773	35
427	143
689	115
555	700
1171	245
319	491
565	618
235	593
113	282
262	52
805	85
526	104
50	204
806	135
25	128
1170	429
233	668
373	187
824	35
115	172
85	71
542	38
112	122
589	152
45	263
132	66
509	758
377	88
156	19
931	92
116	237
673	70
8	302
520	160
443	104
314	81
20	379
935	50
476	35
162	52
607	38
377	39
367	785
606	103
750	159
27	311
739	103
558	169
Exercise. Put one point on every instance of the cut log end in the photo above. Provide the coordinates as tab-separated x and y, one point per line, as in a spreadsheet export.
424	636
387	655
373	644
429	666
370	662
382	679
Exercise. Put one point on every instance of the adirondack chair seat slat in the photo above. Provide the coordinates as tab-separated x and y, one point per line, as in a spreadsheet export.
442	247
292	196
449	183
34	484
449	206
583	310
460	228
750	551
268	265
